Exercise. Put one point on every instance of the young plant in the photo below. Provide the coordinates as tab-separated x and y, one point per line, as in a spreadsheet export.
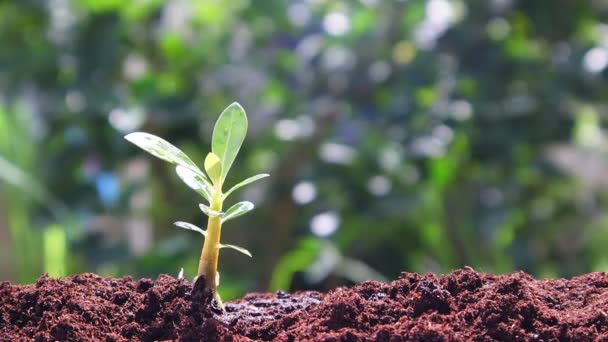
228	135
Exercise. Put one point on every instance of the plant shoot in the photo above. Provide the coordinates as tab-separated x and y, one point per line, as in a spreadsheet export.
228	136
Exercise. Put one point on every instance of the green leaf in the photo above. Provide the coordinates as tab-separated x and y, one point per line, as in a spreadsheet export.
237	210
195	182
213	167
162	149
245	182
228	135
190	226
238	249
210	212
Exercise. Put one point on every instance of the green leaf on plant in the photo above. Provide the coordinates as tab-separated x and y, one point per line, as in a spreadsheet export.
237	210
245	182
213	167
228	135
190	226
162	149
238	249
210	212
195	181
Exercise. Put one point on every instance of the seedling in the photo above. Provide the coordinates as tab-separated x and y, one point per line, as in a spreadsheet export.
228	135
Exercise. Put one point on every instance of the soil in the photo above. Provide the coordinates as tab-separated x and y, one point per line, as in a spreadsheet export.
461	306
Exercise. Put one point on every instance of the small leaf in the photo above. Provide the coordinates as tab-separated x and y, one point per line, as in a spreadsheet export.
245	182
190	226
213	167
210	212
195	182
228	135
238	249
162	149
237	210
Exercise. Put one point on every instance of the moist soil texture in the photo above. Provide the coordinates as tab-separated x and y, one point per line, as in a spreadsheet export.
461	306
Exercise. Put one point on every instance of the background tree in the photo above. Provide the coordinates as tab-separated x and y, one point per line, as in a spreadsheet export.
401	135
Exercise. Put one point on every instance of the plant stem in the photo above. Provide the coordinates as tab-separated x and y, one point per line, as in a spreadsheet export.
208	263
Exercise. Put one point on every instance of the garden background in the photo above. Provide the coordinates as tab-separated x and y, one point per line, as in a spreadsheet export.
400	136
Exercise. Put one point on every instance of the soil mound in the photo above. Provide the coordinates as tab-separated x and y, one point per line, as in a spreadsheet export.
461	306
87	307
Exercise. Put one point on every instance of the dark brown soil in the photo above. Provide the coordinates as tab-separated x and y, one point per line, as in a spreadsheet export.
461	306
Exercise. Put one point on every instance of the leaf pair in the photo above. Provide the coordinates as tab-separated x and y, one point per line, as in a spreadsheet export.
228	136
190	226
233	212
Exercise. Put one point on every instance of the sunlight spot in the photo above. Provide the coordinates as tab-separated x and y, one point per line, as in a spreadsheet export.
379	71
286	129
75	101
304	192
293	129
439	15
595	60
403	52
461	110
338	58
325	224
126	120
309	47
336	23
379	185
390	158
337	153
134	67
298	14
498	28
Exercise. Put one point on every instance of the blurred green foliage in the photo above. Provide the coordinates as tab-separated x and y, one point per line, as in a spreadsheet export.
400	135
